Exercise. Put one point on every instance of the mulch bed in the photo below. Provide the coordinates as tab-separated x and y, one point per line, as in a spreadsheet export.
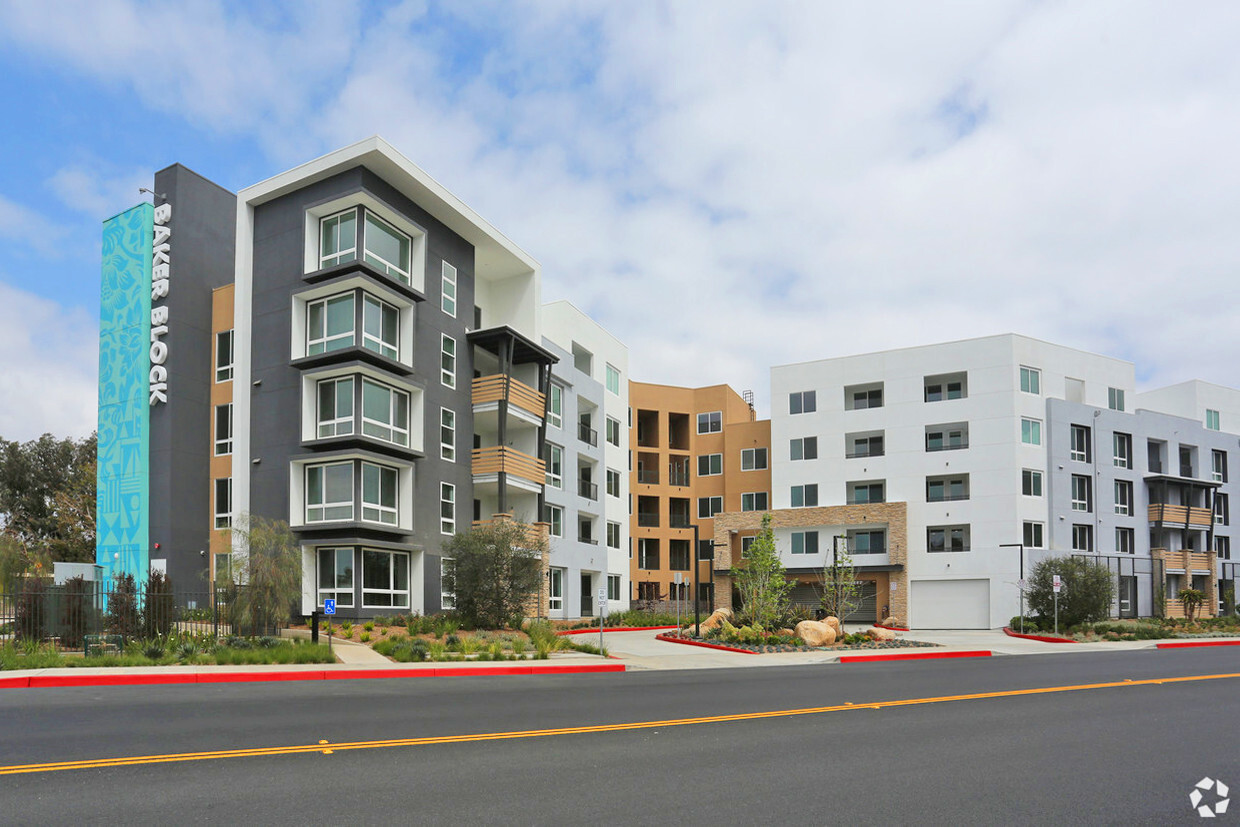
785	647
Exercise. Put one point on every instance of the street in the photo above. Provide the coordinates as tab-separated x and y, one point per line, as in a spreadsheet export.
1072	752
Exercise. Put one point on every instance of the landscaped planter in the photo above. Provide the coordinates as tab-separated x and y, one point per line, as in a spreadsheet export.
759	649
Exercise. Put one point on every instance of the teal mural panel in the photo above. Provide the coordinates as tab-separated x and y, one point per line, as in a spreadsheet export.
123	493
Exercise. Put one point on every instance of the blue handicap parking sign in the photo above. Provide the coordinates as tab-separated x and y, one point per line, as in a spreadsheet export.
329	607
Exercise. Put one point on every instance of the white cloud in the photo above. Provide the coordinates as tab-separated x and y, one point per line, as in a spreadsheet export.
98	191
50	367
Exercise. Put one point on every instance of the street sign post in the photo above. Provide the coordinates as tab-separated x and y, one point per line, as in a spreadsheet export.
602	610
329	609
679	578
1056	584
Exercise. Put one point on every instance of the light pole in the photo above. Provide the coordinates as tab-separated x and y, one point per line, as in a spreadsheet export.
697	559
1021	583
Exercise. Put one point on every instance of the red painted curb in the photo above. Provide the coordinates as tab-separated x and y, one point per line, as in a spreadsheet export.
15	683
892	628
594	631
255	677
1007	630
39	681
1188	644
671	639
980	653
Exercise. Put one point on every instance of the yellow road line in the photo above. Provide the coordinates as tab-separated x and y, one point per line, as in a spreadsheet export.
323	747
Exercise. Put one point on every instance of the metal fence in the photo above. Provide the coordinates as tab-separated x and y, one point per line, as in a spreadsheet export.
66	614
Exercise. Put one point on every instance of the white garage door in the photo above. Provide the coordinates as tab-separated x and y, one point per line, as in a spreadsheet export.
950	604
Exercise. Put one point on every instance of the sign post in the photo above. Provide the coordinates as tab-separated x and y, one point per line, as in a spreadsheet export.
329	609
1056	584
602	610
680	578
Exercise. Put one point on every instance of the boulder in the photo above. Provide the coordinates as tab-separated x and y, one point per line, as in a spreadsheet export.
834	623
893	621
717	618
879	633
815	633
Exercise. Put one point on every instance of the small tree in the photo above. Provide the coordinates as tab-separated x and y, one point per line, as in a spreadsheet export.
1191	599
841	593
270	560
123	615
77	611
760	580
496	570
1086	594
159	606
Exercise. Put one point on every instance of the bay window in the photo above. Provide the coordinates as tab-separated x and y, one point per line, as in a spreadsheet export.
385	579
329	492
385	413
329	324
379	486
335	403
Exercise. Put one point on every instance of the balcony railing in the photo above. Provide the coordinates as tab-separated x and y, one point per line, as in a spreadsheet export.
585	538
679	521
587	434
1185	560
648	477
946	498
502	459
1175	608
587	489
648	519
497	387
951	446
1180	515
866	453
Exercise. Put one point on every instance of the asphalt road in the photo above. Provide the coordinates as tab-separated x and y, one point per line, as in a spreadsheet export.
1121	754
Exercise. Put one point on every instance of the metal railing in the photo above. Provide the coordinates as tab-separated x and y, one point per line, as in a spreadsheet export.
587	434
587	489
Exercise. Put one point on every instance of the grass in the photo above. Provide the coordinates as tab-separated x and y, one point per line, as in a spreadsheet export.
171	651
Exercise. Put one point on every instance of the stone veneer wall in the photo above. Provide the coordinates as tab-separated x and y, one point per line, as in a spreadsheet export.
894	516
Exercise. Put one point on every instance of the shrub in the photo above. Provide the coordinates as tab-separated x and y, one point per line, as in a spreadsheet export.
369	625
496	570
760	580
31	607
382	621
154	649
123	617
1086	596
365	638
77	612
160	608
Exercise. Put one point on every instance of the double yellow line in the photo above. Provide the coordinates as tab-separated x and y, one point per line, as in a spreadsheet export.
328	748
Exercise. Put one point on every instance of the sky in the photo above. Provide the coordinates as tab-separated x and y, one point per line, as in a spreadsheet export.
725	186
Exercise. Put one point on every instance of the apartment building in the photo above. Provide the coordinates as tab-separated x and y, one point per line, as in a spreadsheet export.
348	347
697	452
1003	448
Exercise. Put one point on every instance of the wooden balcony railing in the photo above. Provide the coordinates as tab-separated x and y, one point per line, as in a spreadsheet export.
1175	608
1199	561
497	387
510	461
1180	514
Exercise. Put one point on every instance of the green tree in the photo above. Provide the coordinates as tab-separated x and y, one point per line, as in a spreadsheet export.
269	562
1086	594
17	561
841	593
1191	600
496	570
760	580
47	495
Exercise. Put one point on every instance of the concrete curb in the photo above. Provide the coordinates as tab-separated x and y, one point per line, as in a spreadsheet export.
147	678
670	639
978	653
1191	644
1007	630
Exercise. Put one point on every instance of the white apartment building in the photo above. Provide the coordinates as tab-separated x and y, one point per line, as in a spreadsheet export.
1002	442
586	456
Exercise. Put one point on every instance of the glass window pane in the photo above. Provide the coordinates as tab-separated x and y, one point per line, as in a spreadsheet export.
344	398
339	484
344	568
339	315
376	402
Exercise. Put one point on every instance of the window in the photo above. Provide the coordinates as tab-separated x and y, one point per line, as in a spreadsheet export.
335	416
802	402
380	327
387	248
447	599
329	324
613	535
945	387
613	380
554	457
1033	535
746	543
710	423
223	429
1218	461
1079	450
379	493
447	508
554	515
805	496
1123	497
223	503
803	448
867	542
860	493
1125	540
1212	420
385	578
1030	380
1222	512
1115	399
385	413
947	538
947	489
1222	545
1082	538
555	406
613	483
447	434
447	300
709	506
1080	493
447	361
612	427
710	465
678	555
647	591
805	542
336	576
863	445
647	553
338	240
1031	431
754	502
613	587
1121	450
858	397
1031	483
329	492
753	459
224	356
555	590
947	437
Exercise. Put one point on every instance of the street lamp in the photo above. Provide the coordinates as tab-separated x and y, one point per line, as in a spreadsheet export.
1021	584
697	560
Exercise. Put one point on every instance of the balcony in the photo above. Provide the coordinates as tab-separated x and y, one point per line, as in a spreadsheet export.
587	489
648	519
587	434
489	390
1190	516
505	460
679	521
648	477
1175	608
1187	560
